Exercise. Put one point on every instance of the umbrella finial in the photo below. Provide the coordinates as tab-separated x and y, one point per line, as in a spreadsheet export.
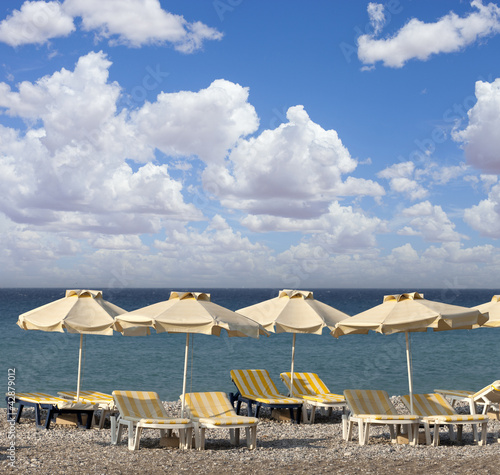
190	295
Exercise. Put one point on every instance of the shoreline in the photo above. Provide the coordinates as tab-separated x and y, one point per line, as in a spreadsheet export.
282	447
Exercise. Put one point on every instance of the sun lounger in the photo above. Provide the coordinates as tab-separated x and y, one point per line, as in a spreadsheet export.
102	401
435	410
255	386
213	410
488	396
144	410
374	407
52	404
310	388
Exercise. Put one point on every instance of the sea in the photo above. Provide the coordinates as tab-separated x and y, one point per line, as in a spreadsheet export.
37	361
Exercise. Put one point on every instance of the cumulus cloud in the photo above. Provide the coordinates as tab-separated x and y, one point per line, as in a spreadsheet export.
341	228
420	40
219	115
430	222
403	179
485	216
293	171
480	138
73	174
36	22
132	23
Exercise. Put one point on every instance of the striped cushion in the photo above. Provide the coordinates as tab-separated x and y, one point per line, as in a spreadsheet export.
309	386
436	407
454	392
91	397
144	407
40	398
490	392
370	401
214	408
387	417
257	385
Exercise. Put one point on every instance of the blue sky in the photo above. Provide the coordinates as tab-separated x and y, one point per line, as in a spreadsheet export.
237	143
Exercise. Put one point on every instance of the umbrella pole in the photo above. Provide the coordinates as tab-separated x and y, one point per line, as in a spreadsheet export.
410	377
185	376
293	359
79	368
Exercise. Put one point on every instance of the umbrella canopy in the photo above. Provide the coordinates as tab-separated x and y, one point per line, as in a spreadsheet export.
80	311
410	312
187	312
294	311
493	309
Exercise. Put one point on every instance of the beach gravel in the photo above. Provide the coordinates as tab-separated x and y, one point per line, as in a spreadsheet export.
282	447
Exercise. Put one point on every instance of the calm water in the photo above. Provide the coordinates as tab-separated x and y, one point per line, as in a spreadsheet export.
48	362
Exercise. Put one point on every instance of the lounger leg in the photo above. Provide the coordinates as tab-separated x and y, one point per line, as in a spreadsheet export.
365	433
189	437
393	432
114	439
427	428
18	415
474	432
202	438
234	436
345	424
484	433
435	442
251	434
133	442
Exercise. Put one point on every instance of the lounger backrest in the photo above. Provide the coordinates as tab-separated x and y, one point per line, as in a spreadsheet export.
209	404
139	404
254	383
305	383
490	392
369	401
429	405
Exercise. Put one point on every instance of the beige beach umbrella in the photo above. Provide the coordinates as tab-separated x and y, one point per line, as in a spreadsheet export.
187	312
294	311
410	312
493	309
79	311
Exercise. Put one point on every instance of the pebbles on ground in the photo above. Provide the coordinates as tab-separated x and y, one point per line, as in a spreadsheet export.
282	447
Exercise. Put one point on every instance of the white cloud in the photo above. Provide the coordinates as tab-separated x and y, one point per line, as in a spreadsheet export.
206	123
430	222
294	171
140	22
132	23
481	138
454	252
120	242
377	16
401	178
73	173
35	22
420	40
485	216
341	228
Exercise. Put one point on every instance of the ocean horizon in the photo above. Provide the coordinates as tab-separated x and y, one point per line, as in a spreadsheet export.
48	362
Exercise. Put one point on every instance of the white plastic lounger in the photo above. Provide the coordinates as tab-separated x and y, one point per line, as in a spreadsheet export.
488	396
374	407
213	410
434	409
144	410
314	392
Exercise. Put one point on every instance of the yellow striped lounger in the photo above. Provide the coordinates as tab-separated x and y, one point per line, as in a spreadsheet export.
487	396
311	388
370	406
52	404
100	400
213	410
255	386
434	409
144	410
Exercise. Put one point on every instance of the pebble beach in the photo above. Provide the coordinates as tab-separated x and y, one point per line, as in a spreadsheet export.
282	447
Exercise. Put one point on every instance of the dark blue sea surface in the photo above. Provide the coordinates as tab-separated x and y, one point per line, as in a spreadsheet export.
48	362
